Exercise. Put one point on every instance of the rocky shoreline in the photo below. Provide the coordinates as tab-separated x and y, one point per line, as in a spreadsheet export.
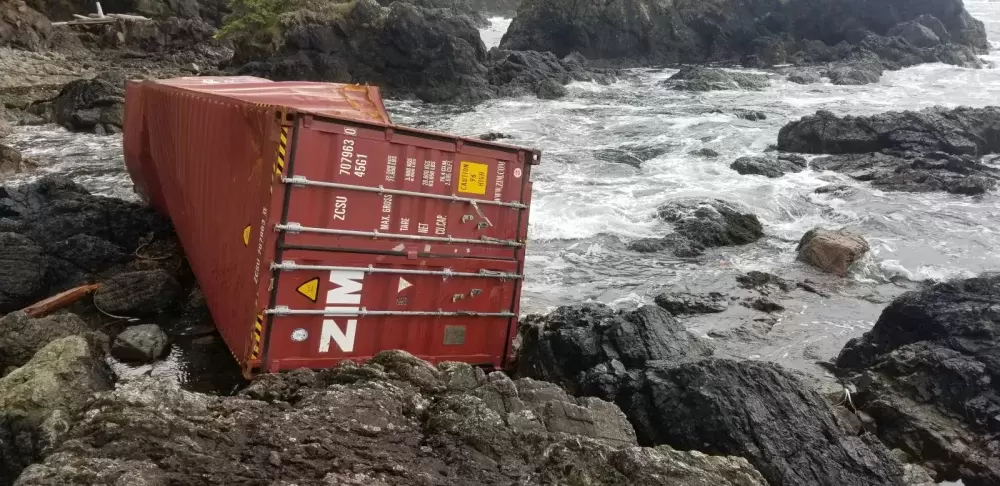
598	396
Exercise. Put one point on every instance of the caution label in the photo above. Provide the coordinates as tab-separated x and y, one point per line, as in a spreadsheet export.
310	289
472	177
246	236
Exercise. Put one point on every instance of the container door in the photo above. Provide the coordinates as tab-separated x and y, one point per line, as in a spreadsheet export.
379	190
332	306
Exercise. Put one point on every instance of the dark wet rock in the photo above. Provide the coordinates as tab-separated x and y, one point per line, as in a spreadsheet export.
764	304
683	303
832	251
673	394
805	77
550	90
928	374
702	223
750	332
712	222
11	161
24	274
195	320
834	189
916	33
763	282
143	343
751	115
542	74
89	105
436	55
856	74
39	400
22	336
494	136
755	33
913	172
575	346
705	152
771	167
935	149
62	236
395	420
634	155
958	131
138	293
708	79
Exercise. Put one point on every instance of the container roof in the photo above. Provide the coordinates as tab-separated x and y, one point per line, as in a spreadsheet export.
330	99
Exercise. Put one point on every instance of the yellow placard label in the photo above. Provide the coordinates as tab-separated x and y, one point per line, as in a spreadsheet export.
246	236
310	289
472	177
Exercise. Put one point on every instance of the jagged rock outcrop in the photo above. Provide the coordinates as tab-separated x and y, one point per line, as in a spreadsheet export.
23	27
21	336
771	167
702	223
89	105
832	251
684	303
435	55
757	33
929	370
673	392
55	235
39	399
395	420
707	79
934	149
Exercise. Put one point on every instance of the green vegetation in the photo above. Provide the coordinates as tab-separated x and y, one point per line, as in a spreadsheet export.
256	26
255	23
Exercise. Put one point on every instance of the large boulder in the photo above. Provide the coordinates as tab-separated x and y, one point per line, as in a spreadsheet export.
539	73
39	399
935	149
55	235
832	251
929	370
958	131
769	167
142	344
23	27
707	79
89	105
147	292
673	392
395	420
702	223
758	32
22	336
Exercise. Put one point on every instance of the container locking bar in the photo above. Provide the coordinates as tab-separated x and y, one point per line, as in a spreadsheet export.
302	181
293	228
288	266
284	311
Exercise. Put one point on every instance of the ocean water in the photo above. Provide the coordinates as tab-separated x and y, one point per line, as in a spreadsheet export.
586	209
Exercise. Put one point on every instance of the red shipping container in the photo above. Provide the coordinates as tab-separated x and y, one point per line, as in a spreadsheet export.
319	231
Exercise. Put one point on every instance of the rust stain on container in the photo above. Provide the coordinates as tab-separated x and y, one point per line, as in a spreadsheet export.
360	232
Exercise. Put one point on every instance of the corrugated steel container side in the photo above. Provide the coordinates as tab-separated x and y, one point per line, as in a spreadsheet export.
426	269
213	159
382	229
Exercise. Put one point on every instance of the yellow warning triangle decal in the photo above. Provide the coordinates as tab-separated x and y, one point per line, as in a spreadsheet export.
246	236
310	289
